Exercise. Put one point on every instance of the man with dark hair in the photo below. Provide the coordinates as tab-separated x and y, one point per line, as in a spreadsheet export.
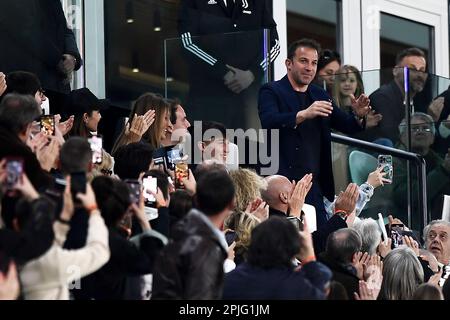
214	144
23	82
388	100
303	114
76	156
133	159
17	113
269	272
192	265
341	256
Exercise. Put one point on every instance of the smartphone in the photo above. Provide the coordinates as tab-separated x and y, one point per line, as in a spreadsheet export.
158	156
396	234
14	172
181	171
297	223
173	156
150	184
48	125
96	143
77	185
385	162
135	187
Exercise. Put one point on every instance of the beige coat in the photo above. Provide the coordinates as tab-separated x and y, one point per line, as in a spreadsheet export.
49	276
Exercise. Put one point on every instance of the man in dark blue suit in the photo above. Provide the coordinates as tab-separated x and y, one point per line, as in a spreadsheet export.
304	115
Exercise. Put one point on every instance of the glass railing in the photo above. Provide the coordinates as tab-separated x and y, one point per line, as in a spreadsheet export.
354	160
422	128
221	76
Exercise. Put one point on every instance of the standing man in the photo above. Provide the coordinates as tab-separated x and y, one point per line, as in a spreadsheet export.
388	100
304	114
35	38
224	43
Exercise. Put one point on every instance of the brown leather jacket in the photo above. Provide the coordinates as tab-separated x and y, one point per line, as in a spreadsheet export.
191	265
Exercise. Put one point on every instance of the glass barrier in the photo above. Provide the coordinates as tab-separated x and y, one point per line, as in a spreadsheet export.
354	164
429	130
221	76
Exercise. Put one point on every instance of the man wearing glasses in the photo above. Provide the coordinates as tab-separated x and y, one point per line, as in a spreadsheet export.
438	169
388	100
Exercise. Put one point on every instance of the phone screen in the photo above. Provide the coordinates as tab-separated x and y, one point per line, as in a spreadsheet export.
14	171
77	185
173	156
150	184
48	125
181	171
96	143
397	234
135	190
385	162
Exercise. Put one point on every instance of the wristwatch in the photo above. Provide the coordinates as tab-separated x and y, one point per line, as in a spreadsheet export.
342	214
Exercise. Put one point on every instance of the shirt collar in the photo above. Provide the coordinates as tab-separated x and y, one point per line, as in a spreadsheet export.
217	232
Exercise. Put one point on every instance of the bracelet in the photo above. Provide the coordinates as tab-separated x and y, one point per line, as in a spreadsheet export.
309	259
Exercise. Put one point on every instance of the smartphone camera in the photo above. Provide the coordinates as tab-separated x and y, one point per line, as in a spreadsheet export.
150	184
173	156
77	185
385	162
181	172
14	171
96	143
48	125
135	190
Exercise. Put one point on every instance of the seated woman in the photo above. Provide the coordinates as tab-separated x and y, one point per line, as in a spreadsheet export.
149	121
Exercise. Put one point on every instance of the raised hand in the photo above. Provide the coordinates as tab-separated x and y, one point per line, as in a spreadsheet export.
317	109
346	200
296	198
360	106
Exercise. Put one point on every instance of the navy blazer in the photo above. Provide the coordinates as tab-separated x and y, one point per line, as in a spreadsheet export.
278	107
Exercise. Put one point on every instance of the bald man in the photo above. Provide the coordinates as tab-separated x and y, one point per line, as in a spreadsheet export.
283	201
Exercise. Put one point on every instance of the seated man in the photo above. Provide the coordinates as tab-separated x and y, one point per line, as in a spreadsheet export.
437	241
438	169
285	199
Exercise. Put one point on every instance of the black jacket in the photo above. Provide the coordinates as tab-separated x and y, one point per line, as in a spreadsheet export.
346	275
319	236
243	50
128	259
36	36
278	106
191	266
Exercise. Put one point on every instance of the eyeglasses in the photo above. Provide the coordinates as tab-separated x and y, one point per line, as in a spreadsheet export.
421	129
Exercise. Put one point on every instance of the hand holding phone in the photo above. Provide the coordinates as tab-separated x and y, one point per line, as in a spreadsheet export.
14	171
47	123
181	172
96	143
385	162
150	188
77	185
135	187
